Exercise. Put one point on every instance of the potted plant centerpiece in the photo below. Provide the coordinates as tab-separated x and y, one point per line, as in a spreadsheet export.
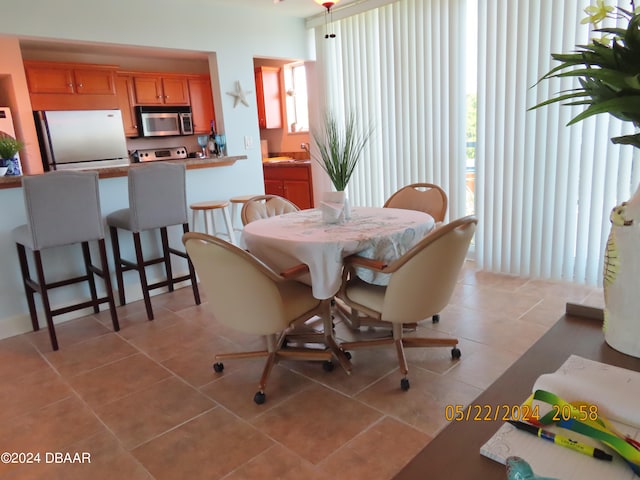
339	152
9	148
608	72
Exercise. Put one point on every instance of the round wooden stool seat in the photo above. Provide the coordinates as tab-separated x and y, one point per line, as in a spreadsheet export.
207	209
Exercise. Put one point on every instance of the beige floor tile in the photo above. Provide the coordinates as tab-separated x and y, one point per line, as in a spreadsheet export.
235	390
90	354
108	461
570	292
377	453
19	357
316	422
138	324
482	366
32	391
70	333
423	405
504	302
139	417
279	462
208	447
115	380
49	429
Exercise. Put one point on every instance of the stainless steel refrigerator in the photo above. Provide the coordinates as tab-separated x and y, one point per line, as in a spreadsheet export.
79	139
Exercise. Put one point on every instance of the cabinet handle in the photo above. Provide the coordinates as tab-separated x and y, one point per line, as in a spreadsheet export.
70	85
166	96
80	85
158	96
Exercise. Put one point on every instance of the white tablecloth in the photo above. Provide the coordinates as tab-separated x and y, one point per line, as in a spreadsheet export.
302	237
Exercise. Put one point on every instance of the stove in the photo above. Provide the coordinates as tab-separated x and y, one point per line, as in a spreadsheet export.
153	154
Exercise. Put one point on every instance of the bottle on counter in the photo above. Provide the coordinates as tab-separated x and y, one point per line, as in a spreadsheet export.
213	146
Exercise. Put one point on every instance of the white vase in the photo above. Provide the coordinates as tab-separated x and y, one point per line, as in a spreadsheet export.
621	274
335	207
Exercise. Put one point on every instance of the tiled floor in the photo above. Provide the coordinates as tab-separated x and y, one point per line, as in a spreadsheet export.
146	404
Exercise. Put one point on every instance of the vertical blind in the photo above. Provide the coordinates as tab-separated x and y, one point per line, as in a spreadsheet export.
543	191
401	68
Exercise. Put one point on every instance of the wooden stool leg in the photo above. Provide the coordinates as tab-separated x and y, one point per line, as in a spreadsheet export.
166	252
107	284
45	300
143	274
192	272
117	260
86	255
28	289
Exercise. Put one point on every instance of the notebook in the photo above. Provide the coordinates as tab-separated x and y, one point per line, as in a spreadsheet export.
613	389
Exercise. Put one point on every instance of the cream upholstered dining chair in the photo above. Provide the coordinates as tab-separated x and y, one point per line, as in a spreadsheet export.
246	295
420	284
425	197
264	206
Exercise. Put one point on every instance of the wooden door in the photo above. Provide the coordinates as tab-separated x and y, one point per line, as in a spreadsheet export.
49	80
297	191
126	101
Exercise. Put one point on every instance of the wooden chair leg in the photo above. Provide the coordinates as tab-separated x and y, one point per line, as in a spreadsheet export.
28	290
117	260
143	274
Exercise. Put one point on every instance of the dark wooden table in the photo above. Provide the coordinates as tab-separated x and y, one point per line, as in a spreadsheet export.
455	453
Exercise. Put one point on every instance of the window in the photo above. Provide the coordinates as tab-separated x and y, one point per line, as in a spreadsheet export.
295	85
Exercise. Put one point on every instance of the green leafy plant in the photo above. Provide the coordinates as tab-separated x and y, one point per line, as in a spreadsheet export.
9	146
608	70
340	149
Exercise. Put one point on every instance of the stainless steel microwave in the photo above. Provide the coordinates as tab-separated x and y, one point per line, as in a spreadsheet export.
164	121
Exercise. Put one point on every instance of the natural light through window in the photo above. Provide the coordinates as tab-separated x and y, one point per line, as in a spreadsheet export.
295	84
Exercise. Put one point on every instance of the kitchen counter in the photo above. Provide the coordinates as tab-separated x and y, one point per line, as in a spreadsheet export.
112	172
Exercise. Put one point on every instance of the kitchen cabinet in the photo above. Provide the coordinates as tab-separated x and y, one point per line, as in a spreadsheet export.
268	97
126	101
201	99
69	86
291	180
161	90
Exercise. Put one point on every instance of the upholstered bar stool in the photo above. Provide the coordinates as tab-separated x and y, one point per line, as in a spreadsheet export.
157	200
63	208
236	207
208	212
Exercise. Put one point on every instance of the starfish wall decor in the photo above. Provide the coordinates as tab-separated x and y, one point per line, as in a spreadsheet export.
239	95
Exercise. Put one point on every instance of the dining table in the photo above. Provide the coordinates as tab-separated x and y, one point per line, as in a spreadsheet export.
286	240
304	237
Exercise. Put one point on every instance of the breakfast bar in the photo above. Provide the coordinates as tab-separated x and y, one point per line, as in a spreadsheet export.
206	179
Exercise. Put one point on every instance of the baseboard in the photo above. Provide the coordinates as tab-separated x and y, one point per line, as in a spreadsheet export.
579	310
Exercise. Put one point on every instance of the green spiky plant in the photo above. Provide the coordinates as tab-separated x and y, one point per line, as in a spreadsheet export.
608	70
340	149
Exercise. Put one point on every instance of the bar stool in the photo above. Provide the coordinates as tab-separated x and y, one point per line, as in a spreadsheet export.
208	210
63	208
157	200
236	207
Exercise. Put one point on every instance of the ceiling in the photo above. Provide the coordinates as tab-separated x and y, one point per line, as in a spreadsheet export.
290	8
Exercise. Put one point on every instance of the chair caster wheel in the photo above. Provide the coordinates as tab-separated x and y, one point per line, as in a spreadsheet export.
404	384
259	398
455	353
328	366
348	355
435	318
218	367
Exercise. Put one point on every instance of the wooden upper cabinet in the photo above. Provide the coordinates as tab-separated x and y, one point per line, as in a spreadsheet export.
268	97
60	86
161	90
126	101
201	98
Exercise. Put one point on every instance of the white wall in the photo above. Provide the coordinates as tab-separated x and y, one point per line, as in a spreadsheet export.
232	37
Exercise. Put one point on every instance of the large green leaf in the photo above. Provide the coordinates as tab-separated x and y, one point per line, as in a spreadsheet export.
618	105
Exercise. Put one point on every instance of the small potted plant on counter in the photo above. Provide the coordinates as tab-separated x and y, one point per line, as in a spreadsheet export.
9	148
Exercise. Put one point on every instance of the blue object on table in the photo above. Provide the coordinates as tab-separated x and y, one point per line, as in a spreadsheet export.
519	469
